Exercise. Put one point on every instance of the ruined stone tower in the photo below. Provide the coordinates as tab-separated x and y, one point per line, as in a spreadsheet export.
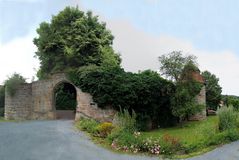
200	98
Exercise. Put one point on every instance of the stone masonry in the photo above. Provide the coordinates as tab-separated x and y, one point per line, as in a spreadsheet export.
36	101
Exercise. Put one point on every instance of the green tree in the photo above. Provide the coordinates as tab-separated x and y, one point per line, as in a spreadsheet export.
229	100
183	101
213	90
73	39
172	64
13	82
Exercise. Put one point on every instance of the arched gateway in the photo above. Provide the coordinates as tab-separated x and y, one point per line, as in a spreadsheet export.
37	101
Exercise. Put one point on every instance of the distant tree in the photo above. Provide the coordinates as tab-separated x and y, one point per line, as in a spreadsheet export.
13	82
229	100
213	90
172	64
73	39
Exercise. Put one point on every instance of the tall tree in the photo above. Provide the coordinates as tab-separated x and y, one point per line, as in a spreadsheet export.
173	63
213	90
73	39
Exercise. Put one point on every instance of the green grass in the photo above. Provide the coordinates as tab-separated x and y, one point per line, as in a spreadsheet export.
4	120
189	132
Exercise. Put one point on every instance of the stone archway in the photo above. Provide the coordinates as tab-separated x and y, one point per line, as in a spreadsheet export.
64	100
35	101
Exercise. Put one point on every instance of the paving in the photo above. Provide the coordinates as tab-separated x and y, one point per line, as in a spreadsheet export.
58	140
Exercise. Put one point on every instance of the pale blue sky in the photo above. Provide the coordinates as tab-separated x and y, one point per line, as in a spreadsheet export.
209	24
143	29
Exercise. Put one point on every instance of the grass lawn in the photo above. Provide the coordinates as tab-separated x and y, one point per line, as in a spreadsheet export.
192	135
189	132
4	120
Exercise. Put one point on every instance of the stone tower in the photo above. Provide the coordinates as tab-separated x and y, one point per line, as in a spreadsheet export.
200	98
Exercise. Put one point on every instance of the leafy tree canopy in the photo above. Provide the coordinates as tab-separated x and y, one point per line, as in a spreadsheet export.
213	90
172	64
73	39
231	100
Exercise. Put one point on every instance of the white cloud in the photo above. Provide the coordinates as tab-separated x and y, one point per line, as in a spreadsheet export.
17	56
140	51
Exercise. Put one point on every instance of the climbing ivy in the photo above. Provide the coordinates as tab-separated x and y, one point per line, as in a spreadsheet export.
184	101
146	92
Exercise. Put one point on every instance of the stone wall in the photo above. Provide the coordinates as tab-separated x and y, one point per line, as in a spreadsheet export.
87	108
19	105
201	99
36	101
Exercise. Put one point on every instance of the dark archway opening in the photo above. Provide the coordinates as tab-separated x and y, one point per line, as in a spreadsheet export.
65	101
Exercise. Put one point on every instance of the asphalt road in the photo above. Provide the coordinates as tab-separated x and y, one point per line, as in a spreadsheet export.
57	140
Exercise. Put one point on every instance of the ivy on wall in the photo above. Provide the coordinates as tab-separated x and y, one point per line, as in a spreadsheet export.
146	92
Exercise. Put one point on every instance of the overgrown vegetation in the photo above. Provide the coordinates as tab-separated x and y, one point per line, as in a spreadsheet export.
73	39
2	100
213	90
230	100
227	118
65	97
77	43
13	82
184	103
146	92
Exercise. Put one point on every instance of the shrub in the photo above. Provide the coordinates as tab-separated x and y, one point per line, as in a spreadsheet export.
143	122
191	147
126	121
223	137
88	125
227	118
125	139
104	129
232	134
13	83
170	144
